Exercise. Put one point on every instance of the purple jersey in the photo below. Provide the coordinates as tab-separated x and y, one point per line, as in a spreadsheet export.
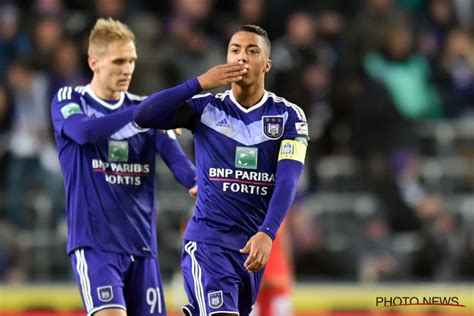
110	184
236	157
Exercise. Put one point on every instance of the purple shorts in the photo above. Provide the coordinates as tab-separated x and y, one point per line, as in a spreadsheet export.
216	281
110	280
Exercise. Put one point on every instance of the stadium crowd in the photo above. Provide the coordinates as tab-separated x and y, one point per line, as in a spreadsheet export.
388	88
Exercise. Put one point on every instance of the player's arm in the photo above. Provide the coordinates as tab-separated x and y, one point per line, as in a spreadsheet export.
85	130
167	109
174	157
289	168
70	120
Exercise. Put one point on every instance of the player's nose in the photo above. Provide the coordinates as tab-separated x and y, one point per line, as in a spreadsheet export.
243	57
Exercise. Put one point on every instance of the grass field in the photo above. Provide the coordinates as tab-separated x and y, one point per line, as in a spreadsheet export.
309	300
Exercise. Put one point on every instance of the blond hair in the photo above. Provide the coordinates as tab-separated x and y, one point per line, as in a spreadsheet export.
104	32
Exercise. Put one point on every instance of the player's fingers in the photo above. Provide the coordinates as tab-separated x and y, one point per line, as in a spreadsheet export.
178	131
246	248
235	74
234	66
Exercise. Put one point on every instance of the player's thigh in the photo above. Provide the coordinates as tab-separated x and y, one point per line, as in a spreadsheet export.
144	288
211	280
249	291
99	277
111	312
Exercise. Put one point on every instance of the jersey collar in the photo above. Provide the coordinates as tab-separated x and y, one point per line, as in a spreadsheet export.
113	106
250	109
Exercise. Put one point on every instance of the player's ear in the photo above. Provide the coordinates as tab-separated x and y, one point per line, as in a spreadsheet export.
268	65
92	61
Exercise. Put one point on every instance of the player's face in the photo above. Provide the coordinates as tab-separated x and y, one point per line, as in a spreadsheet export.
115	67
250	49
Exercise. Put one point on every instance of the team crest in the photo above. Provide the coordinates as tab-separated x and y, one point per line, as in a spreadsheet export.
272	126
216	299
105	293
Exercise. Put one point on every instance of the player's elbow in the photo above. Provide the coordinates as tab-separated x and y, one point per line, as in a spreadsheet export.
84	137
141	118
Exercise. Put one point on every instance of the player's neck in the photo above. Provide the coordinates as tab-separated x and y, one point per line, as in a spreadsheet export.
248	96
102	92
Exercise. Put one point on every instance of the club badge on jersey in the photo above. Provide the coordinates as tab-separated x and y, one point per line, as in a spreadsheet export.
105	293
273	126
216	299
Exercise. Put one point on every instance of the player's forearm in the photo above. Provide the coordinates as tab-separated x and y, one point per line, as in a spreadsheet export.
85	130
287	176
174	157
160	109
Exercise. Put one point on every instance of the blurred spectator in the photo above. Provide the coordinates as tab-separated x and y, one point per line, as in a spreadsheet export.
28	135
14	41
439	20
367	29
48	7
65	69
458	69
111	9
150	67
248	12
48	33
330	28
13	265
465	12
314	256
6	113
197	50
405	74
301	63
377	261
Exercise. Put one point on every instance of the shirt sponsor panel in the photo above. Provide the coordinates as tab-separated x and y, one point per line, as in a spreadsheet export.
242	181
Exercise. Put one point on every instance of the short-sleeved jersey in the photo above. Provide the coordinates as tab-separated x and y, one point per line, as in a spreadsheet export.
110	184
236	151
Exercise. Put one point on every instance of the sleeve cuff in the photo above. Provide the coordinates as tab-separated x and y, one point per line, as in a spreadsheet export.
267	231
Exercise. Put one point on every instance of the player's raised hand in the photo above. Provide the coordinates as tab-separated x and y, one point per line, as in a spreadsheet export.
258	247
222	75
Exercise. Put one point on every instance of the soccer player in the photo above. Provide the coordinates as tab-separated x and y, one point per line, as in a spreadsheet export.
250	146
109	172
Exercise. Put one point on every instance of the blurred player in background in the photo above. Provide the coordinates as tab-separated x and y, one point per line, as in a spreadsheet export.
109	173
250	146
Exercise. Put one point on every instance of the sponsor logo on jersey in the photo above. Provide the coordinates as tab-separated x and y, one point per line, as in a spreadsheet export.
70	109
272	126
118	150
246	157
216	299
223	123
105	293
301	128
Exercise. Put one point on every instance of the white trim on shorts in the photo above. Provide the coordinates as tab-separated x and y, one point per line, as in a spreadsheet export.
95	310
190	249
81	268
